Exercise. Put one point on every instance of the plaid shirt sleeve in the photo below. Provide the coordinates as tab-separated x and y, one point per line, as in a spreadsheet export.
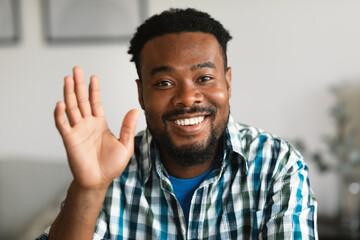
290	211
285	204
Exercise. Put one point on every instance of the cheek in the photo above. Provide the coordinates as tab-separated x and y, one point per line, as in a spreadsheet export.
218	96
153	119
154	108
152	112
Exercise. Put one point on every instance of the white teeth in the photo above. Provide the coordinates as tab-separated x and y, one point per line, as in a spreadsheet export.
189	121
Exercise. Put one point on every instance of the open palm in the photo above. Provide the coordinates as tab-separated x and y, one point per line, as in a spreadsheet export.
95	155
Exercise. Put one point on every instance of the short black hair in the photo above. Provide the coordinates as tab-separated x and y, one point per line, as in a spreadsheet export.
177	20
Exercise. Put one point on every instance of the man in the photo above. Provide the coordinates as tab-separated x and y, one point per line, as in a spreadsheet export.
194	173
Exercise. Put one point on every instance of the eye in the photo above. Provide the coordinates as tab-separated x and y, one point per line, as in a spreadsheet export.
164	84
205	78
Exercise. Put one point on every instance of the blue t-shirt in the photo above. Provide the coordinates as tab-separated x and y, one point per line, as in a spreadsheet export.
184	188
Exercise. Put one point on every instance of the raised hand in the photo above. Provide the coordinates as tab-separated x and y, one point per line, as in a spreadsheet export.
95	155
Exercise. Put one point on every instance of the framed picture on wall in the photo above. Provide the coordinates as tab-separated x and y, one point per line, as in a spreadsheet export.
92	20
9	21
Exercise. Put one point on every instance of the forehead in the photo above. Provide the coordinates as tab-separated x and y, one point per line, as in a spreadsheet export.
180	50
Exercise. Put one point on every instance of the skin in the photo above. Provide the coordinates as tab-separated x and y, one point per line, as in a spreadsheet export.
180	71
196	78
94	154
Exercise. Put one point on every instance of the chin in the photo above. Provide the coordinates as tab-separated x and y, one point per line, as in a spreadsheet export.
191	153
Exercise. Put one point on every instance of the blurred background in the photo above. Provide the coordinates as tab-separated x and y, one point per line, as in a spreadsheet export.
296	73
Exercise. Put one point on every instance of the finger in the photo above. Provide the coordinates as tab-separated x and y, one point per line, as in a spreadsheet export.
72	109
60	121
95	98
127	132
81	92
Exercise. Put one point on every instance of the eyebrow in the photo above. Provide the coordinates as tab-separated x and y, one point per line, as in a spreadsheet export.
203	65
162	69
192	68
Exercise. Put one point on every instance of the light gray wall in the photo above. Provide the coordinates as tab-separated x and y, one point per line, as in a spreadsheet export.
27	187
285	57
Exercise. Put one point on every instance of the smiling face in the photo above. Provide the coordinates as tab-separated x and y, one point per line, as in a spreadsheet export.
185	91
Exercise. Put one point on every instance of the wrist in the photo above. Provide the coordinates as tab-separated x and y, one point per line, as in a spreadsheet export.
79	214
97	192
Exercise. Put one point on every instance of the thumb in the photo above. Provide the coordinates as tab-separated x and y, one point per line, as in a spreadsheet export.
127	132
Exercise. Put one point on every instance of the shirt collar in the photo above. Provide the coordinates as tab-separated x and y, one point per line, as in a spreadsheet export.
150	156
234	142
233	137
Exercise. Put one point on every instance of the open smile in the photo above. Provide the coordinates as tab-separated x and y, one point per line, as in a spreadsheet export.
189	121
189	125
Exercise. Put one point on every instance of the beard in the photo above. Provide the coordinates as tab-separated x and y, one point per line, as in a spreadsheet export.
190	154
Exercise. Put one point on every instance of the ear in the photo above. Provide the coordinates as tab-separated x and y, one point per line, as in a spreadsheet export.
228	80
140	93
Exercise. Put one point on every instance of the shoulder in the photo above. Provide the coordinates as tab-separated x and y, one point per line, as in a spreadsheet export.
267	153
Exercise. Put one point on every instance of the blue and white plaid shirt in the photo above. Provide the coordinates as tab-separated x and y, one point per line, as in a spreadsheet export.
259	191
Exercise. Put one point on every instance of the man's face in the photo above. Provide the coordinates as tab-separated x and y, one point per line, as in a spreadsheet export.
185	93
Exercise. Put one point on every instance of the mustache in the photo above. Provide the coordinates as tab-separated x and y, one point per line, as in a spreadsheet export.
181	111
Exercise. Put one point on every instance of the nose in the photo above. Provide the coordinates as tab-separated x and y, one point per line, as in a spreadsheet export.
187	95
